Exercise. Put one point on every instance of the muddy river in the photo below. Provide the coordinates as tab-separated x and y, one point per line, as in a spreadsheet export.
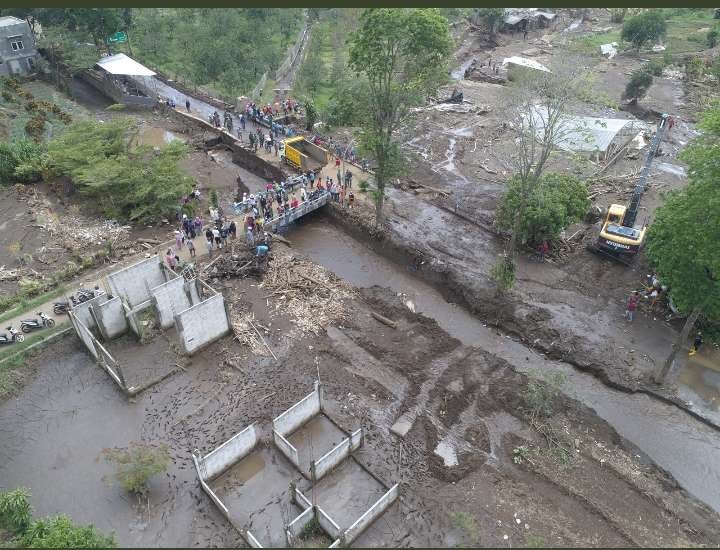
676	441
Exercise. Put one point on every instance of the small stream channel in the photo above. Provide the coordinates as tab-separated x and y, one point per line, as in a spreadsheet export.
676	441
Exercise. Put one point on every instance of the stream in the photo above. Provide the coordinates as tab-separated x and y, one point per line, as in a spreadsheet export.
674	440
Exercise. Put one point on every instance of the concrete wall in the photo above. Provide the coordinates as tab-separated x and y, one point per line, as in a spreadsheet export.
251	162
300	499
335	456
131	319
16	61
83	333
82	310
192	287
133	283
202	324
170	299
295	528
327	523
233	450
298	414
251	540
110	318
207	489
286	448
375	511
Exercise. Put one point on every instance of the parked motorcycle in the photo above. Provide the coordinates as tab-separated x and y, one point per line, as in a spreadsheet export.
15	336
29	325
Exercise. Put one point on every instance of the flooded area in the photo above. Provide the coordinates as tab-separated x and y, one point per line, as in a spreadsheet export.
157	137
672	438
315	438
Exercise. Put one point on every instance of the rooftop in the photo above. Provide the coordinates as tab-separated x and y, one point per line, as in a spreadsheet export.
9	21
121	64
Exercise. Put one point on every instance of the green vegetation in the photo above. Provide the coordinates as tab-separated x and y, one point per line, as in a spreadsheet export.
50	532
15	510
491	17
323	77
126	181
503	273
645	27
136	464
590	44
683	29
541	393
638	85
554	203
403	55
682	242
20	161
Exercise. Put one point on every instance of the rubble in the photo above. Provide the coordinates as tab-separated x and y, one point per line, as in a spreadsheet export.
311	294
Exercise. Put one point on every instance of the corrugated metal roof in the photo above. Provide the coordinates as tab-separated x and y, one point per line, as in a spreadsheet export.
9	21
121	64
524	62
581	133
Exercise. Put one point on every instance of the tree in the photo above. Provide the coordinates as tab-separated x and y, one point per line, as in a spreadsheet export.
61	532
643	28
402	53
556	201
491	17
136	464
683	243
126	180
311	114
640	81
537	107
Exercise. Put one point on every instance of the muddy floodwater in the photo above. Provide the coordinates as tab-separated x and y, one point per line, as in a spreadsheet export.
676	441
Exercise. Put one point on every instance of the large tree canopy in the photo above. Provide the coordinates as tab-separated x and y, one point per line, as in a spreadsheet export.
127	180
402	54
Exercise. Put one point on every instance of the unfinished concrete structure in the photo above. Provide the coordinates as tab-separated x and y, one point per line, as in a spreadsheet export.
195	309
265	497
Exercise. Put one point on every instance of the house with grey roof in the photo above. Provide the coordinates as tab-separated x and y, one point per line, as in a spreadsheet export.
18	53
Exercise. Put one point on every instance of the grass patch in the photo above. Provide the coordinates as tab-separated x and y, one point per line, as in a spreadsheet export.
268	94
465	522
590	44
24	302
682	30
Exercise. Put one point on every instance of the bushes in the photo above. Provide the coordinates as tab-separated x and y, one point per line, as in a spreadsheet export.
643	28
639	83
15	510
136	464
53	532
712	38
694	69
20	161
655	67
556	201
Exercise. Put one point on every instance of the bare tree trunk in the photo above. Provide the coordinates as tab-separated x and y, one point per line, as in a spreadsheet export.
379	202
679	343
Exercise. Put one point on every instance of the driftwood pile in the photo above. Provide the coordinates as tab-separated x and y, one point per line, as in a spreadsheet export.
313	296
242	264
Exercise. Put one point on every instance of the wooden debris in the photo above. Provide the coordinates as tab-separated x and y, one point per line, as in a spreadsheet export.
384	320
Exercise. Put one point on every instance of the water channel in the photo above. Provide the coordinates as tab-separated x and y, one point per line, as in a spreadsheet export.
676	441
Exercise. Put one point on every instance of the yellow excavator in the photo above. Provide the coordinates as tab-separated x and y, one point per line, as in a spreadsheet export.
620	238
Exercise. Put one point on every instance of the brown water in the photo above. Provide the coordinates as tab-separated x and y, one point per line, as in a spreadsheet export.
157	137
673	439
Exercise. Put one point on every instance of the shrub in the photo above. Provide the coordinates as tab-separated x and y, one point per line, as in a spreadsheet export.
363	186
639	83
21	161
61	532
503	273
556	201
214	201
643	28
136	464
541	393
694	69
712	38
655	67
15	510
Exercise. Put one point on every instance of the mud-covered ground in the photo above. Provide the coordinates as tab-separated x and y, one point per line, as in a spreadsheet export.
459	482
441	215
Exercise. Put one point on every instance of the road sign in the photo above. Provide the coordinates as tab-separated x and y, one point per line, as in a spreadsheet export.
119	36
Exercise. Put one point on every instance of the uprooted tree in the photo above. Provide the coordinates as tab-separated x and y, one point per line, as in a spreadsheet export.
684	240
538	104
136	464
402	55
126	180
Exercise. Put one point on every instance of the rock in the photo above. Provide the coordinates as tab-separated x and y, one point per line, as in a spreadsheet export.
532	52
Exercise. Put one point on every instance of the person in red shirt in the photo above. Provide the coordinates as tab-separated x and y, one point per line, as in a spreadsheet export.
294	203
631	306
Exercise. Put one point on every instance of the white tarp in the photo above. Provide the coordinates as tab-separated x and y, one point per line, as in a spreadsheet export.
524	62
580	133
609	50
121	64
514	15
